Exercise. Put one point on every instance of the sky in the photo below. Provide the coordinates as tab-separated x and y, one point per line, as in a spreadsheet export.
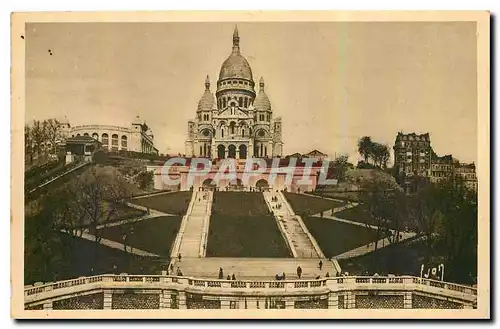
331	82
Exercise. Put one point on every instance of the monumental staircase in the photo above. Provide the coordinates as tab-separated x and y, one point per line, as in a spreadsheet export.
300	241
192	237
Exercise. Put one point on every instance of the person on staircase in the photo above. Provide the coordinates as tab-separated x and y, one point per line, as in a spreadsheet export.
299	271
221	273
233	277
179	256
320	264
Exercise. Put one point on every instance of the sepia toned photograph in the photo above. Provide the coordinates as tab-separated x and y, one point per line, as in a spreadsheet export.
251	165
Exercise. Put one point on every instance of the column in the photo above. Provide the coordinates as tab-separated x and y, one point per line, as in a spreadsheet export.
407	300
333	301
224	304
350	299
165	299
289	303
251	303
47	306
182	300
107	299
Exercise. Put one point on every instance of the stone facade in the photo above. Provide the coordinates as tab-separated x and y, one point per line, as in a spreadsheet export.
138	137
238	123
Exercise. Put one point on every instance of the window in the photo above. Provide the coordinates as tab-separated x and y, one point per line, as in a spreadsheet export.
114	140
124	142
240	102
246	102
105	140
95	136
86	134
223	102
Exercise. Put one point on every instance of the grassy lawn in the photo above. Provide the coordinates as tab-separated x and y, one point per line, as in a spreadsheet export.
306	205
172	203
80	260
245	236
124	212
402	259
336	237
239	204
154	235
360	214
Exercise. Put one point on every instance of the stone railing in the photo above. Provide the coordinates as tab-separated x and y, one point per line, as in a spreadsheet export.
206	225
178	239
302	225
56	290
286	237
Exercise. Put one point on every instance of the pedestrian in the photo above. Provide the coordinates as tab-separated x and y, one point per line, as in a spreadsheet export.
179	257
115	269
320	265
299	271
221	273
327	274
228	277
171	267
284	276
317	278
233	277
277	277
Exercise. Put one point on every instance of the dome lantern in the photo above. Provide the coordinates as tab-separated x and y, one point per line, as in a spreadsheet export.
207	101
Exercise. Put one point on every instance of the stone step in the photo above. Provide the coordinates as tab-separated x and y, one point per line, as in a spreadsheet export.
254	268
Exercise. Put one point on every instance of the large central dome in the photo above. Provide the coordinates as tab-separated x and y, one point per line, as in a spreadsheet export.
235	66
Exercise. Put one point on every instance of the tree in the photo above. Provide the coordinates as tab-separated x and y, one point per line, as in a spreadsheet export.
457	232
93	200
379	199
37	137
144	179
51	130
28	145
340	166
365	149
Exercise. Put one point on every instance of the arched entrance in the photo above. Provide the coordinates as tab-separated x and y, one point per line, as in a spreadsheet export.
208	182
231	151
262	184
221	151
235	185
243	151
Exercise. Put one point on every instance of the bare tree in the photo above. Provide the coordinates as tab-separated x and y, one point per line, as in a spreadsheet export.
37	137
28	145
51	130
101	192
380	202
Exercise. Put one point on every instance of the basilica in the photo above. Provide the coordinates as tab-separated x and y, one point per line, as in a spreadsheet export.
238	122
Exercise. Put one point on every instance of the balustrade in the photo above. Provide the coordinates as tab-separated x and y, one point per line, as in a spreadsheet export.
107	281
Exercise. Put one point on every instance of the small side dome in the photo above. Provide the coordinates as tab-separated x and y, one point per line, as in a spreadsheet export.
262	101
137	121
207	101
64	121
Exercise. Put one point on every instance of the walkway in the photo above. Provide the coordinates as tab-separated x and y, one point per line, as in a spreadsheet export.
253	268
365	249
192	237
295	230
59	176
116	245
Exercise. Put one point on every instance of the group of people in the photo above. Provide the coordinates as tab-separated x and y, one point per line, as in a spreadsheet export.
229	277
